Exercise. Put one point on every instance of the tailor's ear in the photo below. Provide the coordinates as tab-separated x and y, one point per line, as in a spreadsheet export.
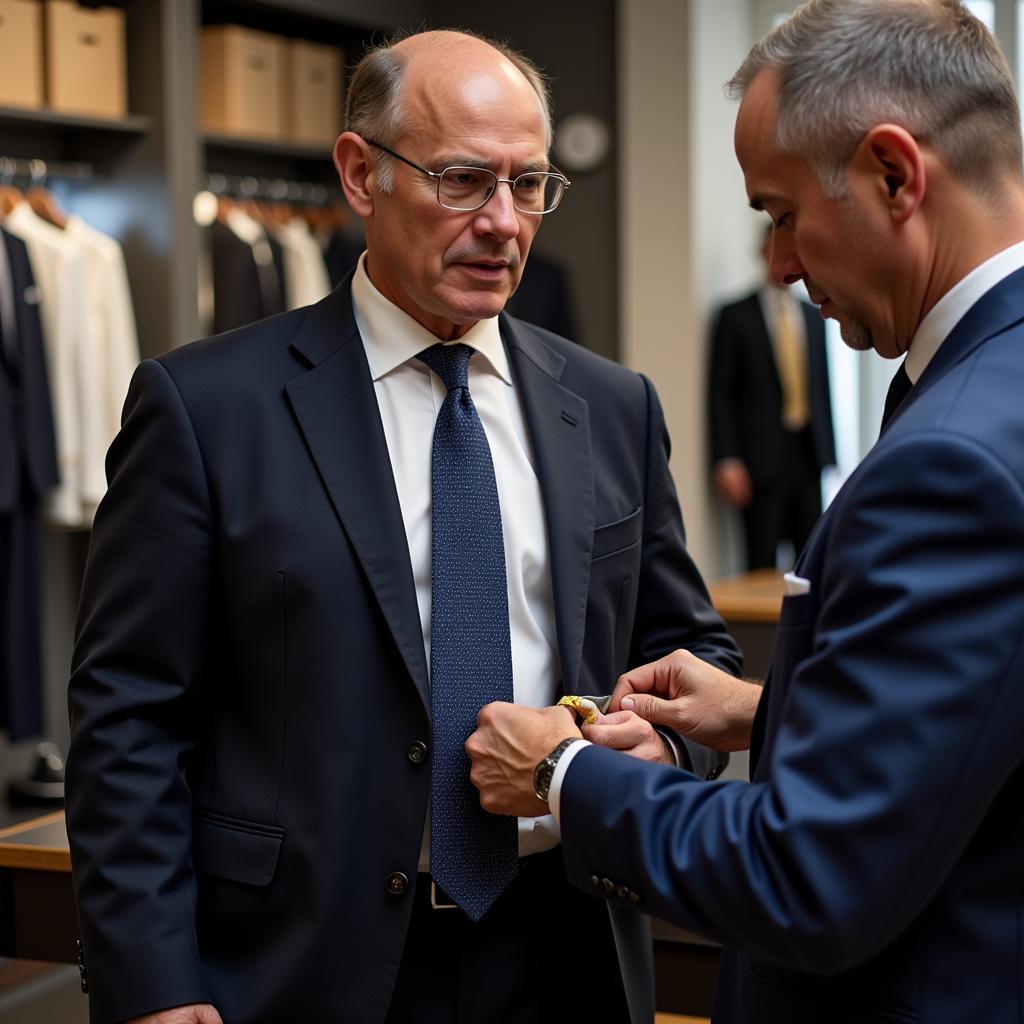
892	159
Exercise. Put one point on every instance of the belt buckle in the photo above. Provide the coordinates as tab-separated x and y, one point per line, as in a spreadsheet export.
434	904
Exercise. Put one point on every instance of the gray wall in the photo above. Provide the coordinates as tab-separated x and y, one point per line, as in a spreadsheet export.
574	43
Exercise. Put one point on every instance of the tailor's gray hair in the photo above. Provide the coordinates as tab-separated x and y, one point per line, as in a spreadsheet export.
929	66
373	106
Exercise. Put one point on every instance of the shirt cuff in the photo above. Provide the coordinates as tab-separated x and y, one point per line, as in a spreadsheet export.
679	752
555	791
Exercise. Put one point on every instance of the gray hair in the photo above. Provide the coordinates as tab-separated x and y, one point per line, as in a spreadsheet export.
373	107
929	66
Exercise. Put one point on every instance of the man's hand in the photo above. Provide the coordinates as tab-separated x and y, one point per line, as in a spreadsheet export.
196	1013
633	735
692	697
508	743
733	482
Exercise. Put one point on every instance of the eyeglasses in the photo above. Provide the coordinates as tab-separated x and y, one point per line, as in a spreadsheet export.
468	188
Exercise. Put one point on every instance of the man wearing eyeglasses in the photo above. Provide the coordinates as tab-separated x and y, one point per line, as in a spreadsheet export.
330	538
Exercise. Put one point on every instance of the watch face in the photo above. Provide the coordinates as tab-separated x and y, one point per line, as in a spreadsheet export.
542	778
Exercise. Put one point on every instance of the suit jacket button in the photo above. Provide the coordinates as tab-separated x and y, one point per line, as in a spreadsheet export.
417	752
609	885
397	883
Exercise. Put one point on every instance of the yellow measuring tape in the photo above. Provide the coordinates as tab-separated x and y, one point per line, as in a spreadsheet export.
583	706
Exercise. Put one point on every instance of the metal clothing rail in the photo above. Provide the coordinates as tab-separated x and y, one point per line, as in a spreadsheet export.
38	172
275	189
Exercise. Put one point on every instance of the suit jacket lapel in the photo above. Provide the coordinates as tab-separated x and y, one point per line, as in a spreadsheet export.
558	424
337	412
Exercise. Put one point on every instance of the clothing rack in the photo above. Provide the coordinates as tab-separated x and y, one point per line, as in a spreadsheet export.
38	172
273	189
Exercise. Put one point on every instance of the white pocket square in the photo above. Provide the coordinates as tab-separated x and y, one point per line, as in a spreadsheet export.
796	584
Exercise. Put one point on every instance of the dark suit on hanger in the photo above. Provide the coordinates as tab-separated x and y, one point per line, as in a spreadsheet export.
249	614
745	409
243	290
28	468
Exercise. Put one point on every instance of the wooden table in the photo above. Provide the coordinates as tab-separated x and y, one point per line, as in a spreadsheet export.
750	605
38	920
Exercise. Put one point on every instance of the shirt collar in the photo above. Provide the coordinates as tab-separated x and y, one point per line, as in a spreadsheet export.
953	306
391	337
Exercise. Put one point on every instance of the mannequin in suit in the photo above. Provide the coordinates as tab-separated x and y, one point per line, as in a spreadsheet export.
770	416
870	871
265	633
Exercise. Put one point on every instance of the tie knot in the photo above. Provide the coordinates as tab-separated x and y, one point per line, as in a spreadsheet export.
449	362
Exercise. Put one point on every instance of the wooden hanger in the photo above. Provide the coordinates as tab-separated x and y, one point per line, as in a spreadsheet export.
44	204
9	199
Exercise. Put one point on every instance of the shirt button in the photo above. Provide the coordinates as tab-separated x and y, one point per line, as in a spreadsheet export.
397	883
417	752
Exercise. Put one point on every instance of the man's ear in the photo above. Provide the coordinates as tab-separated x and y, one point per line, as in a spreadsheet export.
356	170
892	159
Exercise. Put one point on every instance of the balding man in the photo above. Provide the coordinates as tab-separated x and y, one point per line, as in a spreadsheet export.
329	539
872	869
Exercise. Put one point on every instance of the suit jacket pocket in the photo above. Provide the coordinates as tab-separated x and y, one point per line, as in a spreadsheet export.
235	849
618	536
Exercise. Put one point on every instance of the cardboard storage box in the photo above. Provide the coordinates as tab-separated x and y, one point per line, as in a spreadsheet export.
85	59
242	82
21	53
314	92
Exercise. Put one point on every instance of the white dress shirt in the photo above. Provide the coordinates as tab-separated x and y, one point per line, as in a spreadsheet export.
60	277
409	396
305	272
115	347
940	320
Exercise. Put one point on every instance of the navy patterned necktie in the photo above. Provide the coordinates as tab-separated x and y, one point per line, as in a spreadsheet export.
899	387
473	854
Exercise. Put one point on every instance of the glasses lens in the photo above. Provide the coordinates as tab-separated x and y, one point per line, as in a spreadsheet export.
465	188
537	193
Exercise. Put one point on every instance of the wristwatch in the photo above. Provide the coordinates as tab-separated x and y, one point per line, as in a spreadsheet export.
546	769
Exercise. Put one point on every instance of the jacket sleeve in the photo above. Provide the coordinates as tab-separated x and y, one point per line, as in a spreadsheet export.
135	693
673	607
913	665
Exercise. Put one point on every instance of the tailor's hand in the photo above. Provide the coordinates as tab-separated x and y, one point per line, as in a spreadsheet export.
732	480
508	743
693	698
633	735
195	1013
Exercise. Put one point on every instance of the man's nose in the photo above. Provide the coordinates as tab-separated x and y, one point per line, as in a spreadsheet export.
785	267
498	215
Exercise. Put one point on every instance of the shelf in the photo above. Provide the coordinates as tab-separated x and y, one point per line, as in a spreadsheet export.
44	121
52	135
288	150
231	154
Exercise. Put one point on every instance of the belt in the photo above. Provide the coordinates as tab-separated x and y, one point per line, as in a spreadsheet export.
439	899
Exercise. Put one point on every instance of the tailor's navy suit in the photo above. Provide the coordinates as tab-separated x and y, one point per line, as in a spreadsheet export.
249	673
873	870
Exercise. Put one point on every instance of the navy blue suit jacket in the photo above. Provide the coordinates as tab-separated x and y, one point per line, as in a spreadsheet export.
873	869
250	674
